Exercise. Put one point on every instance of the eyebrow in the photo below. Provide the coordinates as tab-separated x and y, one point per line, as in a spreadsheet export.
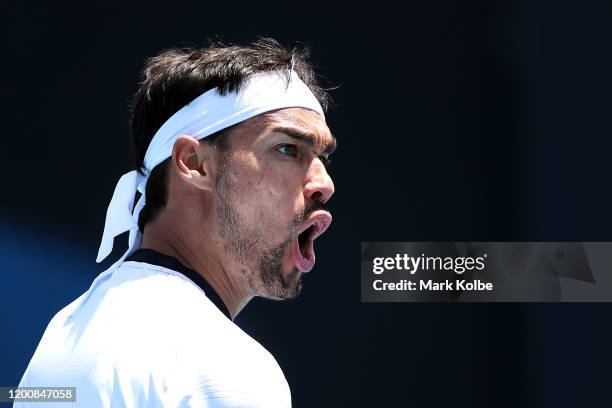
307	138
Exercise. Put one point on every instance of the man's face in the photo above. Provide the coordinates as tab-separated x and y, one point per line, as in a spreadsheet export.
271	190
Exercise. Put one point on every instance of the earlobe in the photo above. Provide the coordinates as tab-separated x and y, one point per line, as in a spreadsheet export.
191	162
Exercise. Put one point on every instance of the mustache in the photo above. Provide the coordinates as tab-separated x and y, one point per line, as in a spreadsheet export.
304	213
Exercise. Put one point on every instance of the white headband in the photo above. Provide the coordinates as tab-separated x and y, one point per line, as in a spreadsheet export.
205	115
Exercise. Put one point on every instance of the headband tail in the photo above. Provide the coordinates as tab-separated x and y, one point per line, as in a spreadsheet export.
119	217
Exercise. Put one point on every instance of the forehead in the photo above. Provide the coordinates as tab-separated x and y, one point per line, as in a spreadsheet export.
300	120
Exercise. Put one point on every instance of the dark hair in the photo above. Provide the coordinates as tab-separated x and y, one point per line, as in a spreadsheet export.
175	77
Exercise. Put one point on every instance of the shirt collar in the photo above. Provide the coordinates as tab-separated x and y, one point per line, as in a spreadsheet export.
153	257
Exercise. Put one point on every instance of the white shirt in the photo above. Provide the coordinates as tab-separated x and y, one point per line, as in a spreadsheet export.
145	335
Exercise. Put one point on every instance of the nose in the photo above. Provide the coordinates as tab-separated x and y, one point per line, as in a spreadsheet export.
319	186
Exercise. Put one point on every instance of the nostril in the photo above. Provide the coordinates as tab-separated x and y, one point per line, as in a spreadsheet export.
316	196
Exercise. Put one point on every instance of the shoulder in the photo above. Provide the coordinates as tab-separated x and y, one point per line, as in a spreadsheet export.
198	350
136	308
145	332
144	299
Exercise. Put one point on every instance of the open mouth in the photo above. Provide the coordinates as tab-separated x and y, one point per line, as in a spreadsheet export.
303	247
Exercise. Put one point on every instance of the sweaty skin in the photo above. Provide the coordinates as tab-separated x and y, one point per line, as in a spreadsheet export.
234	216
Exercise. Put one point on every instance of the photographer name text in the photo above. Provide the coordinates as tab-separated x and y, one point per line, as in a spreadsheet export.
431	285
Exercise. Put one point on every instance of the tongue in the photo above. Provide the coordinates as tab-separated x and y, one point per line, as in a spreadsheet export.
303	255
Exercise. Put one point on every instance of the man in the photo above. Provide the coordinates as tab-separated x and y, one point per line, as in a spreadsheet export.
231	146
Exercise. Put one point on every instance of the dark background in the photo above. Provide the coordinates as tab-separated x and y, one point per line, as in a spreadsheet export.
456	121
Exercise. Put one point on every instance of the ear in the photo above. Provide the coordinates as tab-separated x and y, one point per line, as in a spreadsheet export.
193	162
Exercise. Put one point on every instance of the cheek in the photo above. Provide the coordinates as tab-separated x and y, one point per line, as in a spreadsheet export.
278	185
263	190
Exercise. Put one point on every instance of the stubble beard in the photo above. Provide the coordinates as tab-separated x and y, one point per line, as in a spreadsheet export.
264	271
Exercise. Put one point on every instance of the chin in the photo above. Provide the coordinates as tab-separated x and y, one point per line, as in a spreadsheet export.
286	287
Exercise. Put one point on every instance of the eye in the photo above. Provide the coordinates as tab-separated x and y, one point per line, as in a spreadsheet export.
288	149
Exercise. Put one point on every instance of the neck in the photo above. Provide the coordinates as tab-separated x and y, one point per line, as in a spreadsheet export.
202	257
